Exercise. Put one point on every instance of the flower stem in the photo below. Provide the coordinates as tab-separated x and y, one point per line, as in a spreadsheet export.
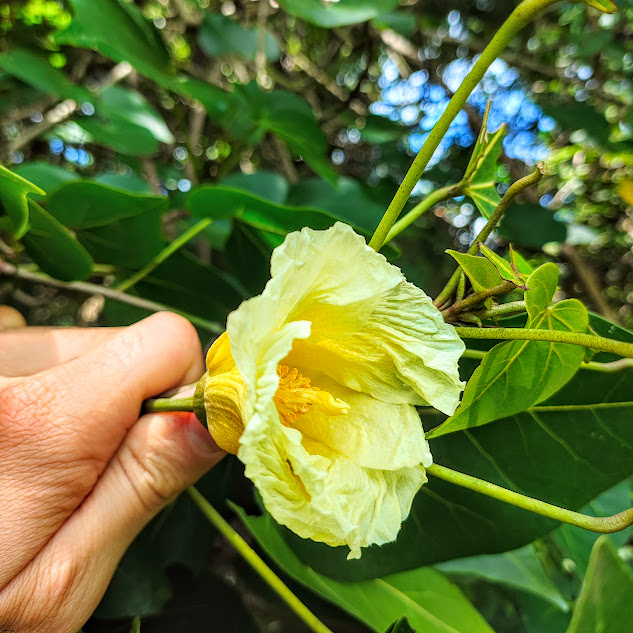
256	563
170	249
422	207
604	525
526	11
598	343
513	191
157	405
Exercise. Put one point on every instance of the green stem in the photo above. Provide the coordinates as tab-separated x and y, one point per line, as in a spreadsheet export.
604	525
605	368
553	336
171	248
513	191
422	207
156	405
461	287
526	11
503	310
476	299
256	563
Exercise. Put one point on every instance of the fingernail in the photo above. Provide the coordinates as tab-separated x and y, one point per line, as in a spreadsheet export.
201	438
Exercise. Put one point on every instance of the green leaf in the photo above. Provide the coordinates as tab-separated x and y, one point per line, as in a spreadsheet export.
479	178
379	130
515	375
481	272
292	120
266	184
605	604
86	204
401	626
125	122
219	35
119	31
346	198
531	225
184	283
338	13
430	602
37	71
46	176
398	21
575	543
507	269
521	569
128	242
120	135
13	195
520	263
225	202
53	247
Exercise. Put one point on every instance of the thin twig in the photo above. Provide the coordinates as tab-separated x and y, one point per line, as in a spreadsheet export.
108	293
513	191
450	314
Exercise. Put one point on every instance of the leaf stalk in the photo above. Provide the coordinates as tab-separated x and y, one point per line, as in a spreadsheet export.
257	564
603	525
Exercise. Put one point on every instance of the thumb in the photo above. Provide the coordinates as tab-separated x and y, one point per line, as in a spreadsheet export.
161	455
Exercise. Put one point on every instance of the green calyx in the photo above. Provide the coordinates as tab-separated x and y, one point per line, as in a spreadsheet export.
198	401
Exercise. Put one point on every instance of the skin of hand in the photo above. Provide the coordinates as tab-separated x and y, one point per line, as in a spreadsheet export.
80	473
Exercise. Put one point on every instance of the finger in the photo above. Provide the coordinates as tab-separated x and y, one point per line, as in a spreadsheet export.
59	428
32	350
11	319
160	457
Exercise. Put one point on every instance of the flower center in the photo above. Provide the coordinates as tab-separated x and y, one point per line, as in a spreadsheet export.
296	395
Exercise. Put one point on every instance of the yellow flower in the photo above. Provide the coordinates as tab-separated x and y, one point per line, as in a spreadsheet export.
315	382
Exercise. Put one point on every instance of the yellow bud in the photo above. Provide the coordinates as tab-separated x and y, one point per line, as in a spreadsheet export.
223	395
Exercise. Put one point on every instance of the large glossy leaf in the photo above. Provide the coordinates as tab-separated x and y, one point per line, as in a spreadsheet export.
129	242
518	374
117	30
575	544
337	13
53	248
225	202
86	204
219	35
37	71
46	176
428	600
531	225
292	120
125	122
605	604
14	191
184	283
583	431
521	569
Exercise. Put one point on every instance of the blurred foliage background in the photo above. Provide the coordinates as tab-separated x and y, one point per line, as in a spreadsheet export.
143	120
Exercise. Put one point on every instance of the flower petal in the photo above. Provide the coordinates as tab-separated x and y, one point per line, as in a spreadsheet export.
322	495
373	434
403	352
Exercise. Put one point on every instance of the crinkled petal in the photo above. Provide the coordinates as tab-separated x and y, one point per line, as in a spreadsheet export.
323	495
373	434
404	352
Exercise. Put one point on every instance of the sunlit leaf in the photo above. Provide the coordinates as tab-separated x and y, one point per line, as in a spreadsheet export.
515	375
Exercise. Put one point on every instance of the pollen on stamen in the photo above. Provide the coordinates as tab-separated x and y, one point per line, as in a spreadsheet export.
295	396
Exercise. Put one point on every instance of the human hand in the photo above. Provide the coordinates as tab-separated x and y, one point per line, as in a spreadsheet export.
79	475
